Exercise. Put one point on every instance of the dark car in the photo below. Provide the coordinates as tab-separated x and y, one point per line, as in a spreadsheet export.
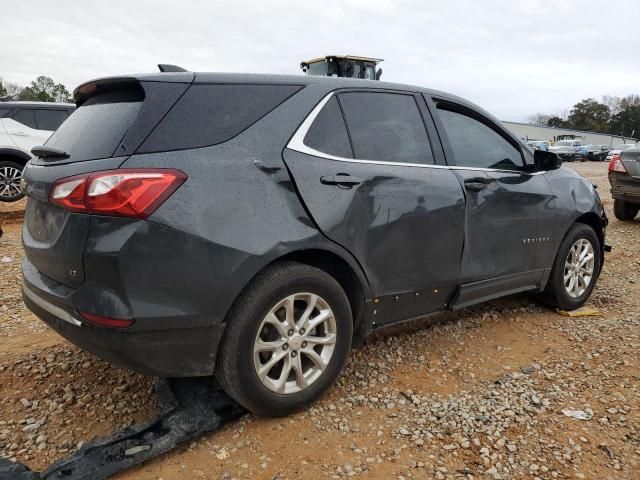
624	177
597	152
253	226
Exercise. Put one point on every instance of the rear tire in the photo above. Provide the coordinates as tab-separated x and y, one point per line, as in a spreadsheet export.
625	210
575	270
273	366
10	176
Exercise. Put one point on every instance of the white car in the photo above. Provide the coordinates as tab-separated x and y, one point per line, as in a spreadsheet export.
567	150
24	125
617	149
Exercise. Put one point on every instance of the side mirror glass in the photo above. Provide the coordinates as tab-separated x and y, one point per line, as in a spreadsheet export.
546	160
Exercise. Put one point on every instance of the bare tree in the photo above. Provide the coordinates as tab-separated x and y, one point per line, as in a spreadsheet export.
613	103
539	119
9	91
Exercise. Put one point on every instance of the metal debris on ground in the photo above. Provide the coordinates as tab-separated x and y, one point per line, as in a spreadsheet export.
189	407
577	414
580	312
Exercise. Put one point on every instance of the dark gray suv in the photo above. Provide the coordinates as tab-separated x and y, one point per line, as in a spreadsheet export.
252	227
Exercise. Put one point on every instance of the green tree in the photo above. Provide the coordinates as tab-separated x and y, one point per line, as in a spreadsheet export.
44	89
589	114
627	122
555	122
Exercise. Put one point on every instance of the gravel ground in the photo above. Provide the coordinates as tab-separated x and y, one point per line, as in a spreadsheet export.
475	394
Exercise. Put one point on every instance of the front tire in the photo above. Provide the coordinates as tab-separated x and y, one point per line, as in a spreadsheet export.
624	210
10	176
287	339
575	270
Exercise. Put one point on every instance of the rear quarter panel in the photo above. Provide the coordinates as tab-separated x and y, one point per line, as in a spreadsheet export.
240	198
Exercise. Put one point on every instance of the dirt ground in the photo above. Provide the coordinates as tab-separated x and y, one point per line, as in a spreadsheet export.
12	212
475	394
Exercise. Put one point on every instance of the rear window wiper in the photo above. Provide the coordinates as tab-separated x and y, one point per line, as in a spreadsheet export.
43	151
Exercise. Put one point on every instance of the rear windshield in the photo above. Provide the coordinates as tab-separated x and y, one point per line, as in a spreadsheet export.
96	128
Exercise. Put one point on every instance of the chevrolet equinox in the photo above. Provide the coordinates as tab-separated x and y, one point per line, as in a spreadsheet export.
251	227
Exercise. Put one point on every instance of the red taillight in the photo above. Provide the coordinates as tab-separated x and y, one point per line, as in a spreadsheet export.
106	321
133	193
616	164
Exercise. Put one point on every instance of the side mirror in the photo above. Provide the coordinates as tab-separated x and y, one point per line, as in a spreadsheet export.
546	160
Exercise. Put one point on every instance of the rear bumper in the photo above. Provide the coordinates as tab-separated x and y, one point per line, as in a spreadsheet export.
624	187
169	351
628	195
176	287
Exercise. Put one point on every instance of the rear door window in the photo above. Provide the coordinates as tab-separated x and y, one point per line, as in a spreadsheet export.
96	128
211	114
25	117
387	127
475	144
50	119
328	133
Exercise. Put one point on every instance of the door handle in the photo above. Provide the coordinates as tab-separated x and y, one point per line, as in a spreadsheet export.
475	186
20	134
477	183
340	179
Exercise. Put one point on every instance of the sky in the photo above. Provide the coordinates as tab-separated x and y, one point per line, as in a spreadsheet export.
514	58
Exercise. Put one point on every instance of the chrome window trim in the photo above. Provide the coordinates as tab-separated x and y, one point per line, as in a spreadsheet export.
297	144
50	307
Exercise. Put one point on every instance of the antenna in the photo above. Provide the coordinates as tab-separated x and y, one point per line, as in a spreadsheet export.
165	67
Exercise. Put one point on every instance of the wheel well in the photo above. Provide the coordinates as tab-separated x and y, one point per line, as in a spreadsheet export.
595	222
8	157
339	269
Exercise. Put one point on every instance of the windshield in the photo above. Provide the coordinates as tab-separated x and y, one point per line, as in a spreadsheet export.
351	69
318	68
369	72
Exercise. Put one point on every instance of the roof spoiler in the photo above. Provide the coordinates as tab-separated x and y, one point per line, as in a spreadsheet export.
91	88
165	67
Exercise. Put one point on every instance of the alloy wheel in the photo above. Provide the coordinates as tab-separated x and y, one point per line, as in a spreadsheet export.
10	182
579	268
295	343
